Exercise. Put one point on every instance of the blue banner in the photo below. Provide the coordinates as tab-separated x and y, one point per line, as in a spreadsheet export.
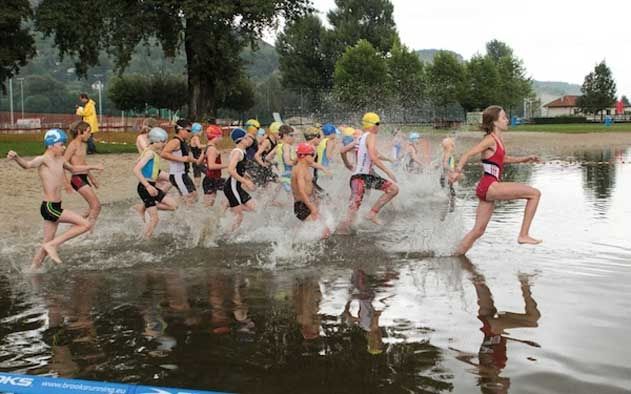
28	384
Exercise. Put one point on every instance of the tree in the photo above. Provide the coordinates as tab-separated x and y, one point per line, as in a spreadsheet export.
305	60
370	20
359	75
496	50
212	33
599	90
446	79
405	83
482	80
625	101
129	93
17	43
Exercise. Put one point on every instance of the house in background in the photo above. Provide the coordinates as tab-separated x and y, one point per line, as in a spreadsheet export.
566	106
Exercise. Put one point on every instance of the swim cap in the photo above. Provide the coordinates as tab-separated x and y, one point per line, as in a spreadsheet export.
157	134
252	125
274	127
348	131
305	149
213	131
370	119
54	136
311	133
261	132
414	136
182	124
196	128
237	135
328	129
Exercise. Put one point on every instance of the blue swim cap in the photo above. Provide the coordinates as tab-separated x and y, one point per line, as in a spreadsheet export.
196	128
347	140
328	129
237	135
261	132
54	136
414	136
157	134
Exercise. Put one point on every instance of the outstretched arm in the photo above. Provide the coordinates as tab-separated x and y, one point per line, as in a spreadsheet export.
36	162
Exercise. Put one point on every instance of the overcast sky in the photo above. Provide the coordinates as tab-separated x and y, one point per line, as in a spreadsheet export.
558	40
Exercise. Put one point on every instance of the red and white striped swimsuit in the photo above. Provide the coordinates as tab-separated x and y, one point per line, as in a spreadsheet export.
493	168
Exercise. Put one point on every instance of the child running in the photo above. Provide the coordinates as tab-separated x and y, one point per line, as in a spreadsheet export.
239	199
266	146
364	178
305	200
412	163
285	156
448	163
491	188
196	150
177	153
326	147
50	167
82	181
213	180
147	170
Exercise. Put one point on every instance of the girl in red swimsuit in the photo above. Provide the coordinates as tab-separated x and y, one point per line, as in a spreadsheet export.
491	188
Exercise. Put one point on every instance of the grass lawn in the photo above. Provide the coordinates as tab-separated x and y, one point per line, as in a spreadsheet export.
575	128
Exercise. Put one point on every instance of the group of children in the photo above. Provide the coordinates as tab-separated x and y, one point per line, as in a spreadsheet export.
267	161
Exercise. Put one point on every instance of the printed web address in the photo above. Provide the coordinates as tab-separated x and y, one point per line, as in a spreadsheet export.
82	387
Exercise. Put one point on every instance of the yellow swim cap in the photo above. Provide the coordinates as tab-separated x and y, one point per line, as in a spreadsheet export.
370	119
348	131
274	127
252	126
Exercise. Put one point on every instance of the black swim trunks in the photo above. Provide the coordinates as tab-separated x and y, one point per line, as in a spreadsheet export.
198	169
51	211
211	185
235	193
148	199
301	210
183	183
78	181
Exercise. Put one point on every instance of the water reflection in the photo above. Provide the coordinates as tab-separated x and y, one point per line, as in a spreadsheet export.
599	176
492	356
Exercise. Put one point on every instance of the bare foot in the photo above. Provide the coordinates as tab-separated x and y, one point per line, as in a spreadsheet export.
326	233
372	216
528	240
140	208
51	251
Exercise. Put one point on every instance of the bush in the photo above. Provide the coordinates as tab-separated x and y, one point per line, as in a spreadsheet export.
560	120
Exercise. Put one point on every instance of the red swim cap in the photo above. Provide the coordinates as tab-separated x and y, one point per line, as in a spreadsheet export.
213	131
305	149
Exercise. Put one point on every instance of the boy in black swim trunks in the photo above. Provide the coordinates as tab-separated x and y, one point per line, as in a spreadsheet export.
302	186
50	167
82	181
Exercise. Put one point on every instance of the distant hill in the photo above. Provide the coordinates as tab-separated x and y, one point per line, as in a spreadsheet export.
427	55
551	90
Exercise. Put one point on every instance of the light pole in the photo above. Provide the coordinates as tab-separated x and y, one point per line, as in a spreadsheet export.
22	95
11	99
98	85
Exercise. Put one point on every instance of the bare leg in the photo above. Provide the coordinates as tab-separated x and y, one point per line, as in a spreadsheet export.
140	208
345	226
80	226
209	199
482	217
238	217
514	191
163	182
389	194
50	229
93	202
168	203
153	221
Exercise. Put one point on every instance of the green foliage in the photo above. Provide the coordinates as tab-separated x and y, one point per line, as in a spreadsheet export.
625	101
136	92
17	44
38	103
212	32
371	20
481	83
497	50
599	90
359	75
446	79
305	61
129	93
406	82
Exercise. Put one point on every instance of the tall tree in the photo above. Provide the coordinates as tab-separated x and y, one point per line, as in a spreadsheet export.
17	43
305	60
513	86
406	82
482	80
360	75
212	31
599	90
370	20
496	50
446	79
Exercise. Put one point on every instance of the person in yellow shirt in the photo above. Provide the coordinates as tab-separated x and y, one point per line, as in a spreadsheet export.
88	113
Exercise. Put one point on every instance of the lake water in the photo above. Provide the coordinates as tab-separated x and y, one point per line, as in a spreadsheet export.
383	310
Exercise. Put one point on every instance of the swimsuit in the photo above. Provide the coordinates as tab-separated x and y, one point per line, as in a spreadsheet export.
284	168
213	180
232	188
150	172
363	178
51	211
493	167
77	181
178	171
301	210
197	168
